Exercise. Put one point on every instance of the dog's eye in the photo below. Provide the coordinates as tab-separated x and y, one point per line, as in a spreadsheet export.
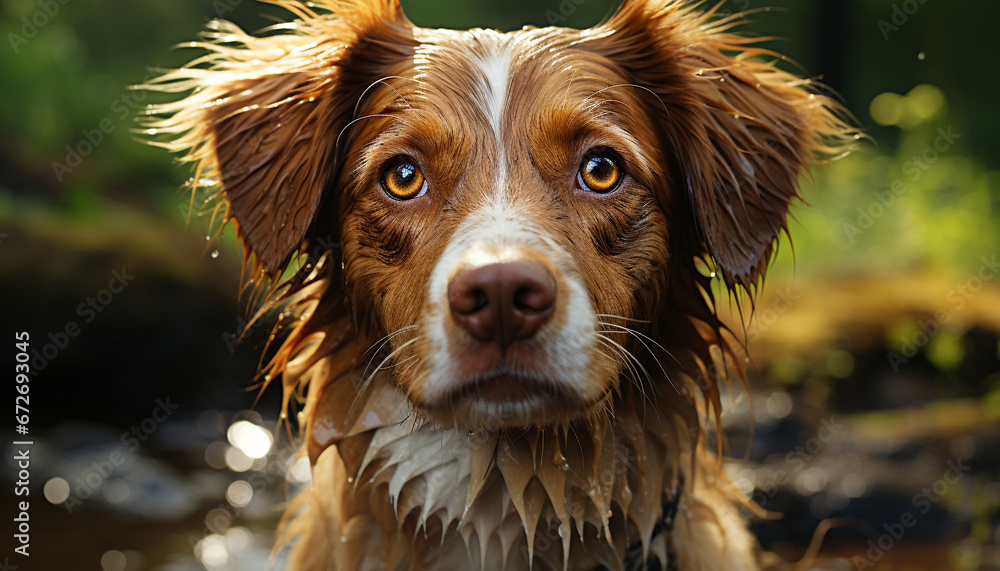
600	172
403	180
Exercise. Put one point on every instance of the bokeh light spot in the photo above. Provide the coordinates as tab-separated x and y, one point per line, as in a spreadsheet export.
253	440
56	491
113	560
239	493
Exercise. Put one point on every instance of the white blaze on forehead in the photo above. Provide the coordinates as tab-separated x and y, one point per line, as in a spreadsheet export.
495	68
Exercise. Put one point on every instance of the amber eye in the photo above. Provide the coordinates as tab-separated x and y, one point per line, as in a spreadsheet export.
600	172
403	180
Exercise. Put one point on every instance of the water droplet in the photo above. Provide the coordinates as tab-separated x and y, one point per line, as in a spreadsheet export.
812	96
371	480
736	115
609	513
350	479
699	72
207	238
559	459
343	539
562	530
215	254
711	275
921	56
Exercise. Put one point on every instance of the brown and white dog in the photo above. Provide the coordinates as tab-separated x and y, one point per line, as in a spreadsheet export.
503	337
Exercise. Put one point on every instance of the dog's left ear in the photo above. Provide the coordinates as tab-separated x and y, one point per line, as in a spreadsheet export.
741	130
266	113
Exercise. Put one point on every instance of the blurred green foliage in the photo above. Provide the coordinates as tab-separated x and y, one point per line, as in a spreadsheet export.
930	202
69	65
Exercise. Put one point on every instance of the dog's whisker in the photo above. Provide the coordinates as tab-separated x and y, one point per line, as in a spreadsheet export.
632	362
641	337
632	374
411	363
388	336
388	358
592	108
367	380
625	351
637	86
632	319
383	81
336	144
397	364
603	115
376	348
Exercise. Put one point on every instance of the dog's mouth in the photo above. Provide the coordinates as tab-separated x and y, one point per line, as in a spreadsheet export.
505	399
504	386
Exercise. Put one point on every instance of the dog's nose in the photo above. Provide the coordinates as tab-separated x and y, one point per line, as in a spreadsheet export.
503	302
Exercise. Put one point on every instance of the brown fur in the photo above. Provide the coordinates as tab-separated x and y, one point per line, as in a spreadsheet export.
292	127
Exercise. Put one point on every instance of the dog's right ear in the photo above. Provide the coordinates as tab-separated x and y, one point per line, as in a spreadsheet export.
741	130
264	114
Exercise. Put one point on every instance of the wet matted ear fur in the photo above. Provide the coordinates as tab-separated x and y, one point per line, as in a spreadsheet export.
740	129
265	114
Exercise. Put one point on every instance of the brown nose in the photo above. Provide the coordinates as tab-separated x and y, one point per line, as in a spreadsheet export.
503	302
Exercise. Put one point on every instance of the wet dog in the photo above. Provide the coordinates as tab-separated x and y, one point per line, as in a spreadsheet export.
503	337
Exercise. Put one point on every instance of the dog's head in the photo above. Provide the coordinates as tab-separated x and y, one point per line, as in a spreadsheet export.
515	222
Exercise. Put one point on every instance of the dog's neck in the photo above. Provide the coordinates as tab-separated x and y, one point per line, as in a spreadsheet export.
535	494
